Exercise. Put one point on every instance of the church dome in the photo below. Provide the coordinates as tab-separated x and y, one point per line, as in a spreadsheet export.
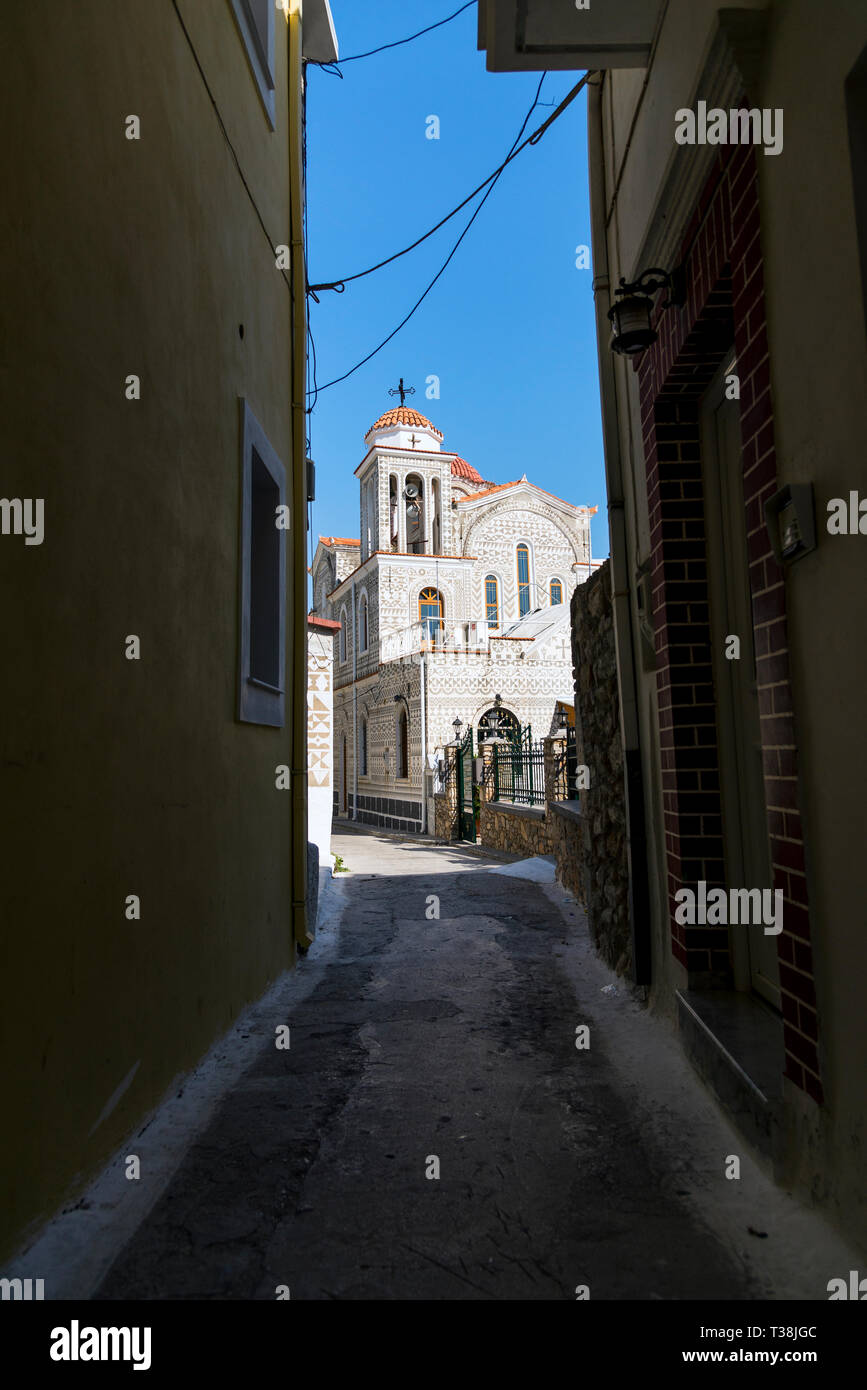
402	415
404	428
462	469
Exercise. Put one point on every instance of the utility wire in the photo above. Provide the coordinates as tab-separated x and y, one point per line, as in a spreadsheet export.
420	301
340	285
315	391
334	67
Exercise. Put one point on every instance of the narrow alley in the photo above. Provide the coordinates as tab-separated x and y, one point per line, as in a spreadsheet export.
449	1041
433	521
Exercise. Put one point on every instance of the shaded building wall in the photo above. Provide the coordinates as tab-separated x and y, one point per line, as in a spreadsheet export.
604	874
747	227
133	777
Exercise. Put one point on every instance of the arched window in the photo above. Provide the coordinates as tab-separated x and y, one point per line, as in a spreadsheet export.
393	511
523	562
492	600
436	521
402	745
362	623
430	610
342	642
413	492
362	752
371	516
556	591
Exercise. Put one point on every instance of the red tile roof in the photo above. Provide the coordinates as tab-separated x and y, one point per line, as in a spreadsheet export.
474	496
402	415
338	540
328	624
462	469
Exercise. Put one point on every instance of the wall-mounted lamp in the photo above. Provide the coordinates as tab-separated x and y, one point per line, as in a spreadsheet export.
631	314
497	725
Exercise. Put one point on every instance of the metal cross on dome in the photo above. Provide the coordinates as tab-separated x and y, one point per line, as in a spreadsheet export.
402	391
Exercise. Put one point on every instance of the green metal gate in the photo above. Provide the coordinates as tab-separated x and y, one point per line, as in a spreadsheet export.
466	825
519	768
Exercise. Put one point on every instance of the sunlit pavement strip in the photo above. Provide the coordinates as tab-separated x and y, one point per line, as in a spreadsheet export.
453	1039
540	869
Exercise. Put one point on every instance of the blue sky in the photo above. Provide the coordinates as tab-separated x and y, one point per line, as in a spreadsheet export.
509	328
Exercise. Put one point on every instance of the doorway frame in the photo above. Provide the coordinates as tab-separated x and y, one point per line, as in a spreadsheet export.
720	250
744	817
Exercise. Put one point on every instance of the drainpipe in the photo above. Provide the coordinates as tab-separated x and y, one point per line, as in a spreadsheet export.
636	835
423	748
297	624
354	704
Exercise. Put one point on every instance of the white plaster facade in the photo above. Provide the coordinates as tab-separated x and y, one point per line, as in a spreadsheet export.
430	522
320	742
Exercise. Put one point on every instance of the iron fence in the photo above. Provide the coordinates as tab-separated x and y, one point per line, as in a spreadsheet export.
519	772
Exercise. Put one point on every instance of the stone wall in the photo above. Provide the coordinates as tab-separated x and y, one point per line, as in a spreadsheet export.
603	809
565	829
527	830
514	829
444	817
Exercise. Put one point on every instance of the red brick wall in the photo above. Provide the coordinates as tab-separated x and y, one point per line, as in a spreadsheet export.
725	303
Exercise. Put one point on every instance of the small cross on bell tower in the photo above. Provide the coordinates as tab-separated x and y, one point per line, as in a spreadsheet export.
402	391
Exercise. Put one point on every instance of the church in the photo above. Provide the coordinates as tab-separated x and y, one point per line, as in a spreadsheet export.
456	591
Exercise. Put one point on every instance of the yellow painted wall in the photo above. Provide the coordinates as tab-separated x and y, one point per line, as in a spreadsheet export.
132	777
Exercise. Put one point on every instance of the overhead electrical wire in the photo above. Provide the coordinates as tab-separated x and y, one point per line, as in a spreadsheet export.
421	299
340	285
335	66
